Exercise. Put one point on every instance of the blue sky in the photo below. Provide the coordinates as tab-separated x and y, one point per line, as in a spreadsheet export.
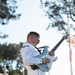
33	19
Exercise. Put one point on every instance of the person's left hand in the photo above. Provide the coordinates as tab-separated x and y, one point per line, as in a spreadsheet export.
52	53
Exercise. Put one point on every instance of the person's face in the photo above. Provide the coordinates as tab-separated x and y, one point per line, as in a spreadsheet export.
35	40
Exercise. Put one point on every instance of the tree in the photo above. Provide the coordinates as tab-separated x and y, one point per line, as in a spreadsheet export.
56	10
8	9
8	54
8	12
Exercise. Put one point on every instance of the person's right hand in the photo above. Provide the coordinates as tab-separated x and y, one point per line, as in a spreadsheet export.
46	60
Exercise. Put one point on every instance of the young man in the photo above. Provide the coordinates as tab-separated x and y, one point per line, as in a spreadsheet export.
29	51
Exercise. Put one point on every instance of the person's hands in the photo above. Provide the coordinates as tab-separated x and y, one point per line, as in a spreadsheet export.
46	60
66	36
52	53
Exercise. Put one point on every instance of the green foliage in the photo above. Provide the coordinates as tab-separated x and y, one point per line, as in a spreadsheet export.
8	11
14	72
8	54
3	36
56	10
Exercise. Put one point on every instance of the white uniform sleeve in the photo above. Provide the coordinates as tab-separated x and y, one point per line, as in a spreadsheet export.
27	57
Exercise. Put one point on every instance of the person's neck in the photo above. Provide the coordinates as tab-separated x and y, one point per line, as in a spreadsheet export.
31	43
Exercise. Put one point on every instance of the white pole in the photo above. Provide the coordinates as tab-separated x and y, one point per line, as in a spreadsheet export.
70	46
23	73
4	69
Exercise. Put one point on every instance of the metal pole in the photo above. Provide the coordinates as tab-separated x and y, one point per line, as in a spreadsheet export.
4	69
70	46
23	73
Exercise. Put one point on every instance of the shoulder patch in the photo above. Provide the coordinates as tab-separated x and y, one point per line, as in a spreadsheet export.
25	46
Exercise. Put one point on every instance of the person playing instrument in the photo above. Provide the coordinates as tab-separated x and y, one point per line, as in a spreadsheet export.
28	53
